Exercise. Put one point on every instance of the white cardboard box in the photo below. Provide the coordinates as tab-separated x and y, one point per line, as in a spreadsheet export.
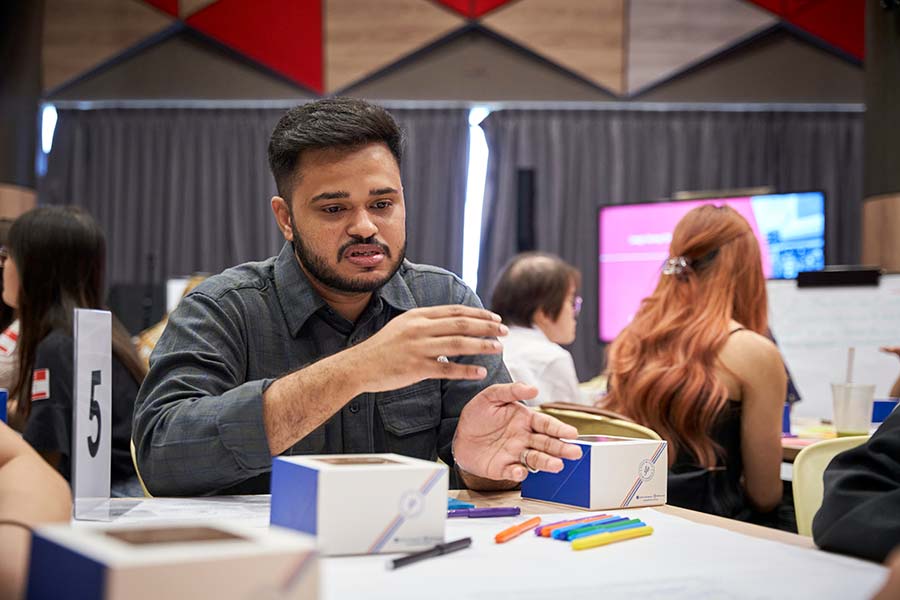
613	472
181	561
361	503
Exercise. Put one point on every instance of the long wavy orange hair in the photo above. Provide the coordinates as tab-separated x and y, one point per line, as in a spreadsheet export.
662	366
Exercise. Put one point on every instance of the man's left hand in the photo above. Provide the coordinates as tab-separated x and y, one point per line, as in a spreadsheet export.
496	432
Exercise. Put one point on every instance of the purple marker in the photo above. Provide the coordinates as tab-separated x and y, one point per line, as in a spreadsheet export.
476	513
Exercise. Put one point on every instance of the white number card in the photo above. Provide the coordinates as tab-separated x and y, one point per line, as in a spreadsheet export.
92	414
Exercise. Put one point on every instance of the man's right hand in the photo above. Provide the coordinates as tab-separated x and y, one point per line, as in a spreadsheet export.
406	350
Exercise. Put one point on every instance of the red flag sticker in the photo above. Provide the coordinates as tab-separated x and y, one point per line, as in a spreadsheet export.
9	339
40	384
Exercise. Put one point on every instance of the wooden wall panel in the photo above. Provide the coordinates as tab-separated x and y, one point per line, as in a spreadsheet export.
584	36
476	67
777	67
881	222
666	36
362	36
189	7
14	200
81	34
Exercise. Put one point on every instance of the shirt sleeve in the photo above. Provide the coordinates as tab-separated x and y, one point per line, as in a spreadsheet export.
455	394
860	513
198	425
49	424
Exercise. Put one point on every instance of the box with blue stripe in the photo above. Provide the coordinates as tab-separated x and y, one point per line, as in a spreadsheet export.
178	561
361	503
613	472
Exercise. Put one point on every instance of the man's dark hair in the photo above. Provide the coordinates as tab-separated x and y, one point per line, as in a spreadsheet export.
532	281
340	123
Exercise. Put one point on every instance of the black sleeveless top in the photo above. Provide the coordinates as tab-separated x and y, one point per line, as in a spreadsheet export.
720	491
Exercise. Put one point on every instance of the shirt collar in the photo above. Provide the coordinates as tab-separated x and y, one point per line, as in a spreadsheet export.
299	301
295	293
534	332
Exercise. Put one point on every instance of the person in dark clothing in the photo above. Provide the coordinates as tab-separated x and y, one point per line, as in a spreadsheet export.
860	513
695	366
56	263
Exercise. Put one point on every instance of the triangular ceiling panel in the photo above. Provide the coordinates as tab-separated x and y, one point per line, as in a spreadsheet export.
841	23
363	37
584	36
284	35
477	67
79	36
188	7
474	8
796	71
184	66
169	6
667	36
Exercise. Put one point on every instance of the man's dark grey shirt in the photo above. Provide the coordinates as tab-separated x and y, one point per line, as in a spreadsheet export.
198	420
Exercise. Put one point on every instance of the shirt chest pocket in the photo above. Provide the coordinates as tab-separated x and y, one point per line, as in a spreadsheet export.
412	409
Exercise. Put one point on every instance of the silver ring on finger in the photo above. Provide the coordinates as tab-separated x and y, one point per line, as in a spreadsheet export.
524	460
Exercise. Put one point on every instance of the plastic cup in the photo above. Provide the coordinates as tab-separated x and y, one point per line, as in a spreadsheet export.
852	408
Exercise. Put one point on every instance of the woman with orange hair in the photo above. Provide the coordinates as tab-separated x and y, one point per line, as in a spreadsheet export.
694	365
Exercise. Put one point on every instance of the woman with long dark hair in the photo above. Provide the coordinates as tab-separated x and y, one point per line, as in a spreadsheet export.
694	365
56	263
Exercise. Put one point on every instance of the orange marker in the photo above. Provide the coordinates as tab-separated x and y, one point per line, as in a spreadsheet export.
517	530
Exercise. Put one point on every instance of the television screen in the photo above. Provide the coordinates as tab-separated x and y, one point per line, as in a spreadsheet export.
634	243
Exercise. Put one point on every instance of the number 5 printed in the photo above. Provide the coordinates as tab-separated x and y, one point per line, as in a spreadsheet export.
94	445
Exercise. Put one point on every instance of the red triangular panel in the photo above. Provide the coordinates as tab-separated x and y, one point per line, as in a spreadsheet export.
169	6
474	8
841	23
284	35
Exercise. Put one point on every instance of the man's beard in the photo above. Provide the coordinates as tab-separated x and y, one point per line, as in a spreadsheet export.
316	266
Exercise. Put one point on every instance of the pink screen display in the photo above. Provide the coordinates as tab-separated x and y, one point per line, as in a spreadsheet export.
634	243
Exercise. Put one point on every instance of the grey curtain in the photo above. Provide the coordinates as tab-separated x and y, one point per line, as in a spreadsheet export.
583	159
181	190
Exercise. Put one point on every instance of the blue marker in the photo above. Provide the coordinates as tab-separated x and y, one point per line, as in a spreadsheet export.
562	532
453	503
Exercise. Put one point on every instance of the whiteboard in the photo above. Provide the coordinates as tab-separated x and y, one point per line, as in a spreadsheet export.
815	327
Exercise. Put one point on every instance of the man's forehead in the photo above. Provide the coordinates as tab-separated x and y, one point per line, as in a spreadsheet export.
337	155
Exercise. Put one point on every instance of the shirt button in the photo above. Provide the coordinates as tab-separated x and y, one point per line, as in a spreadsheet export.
354	407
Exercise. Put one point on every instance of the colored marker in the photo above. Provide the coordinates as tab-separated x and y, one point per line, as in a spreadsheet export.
598	526
630	524
562	532
601	539
477	513
438	550
517	530
546	530
453	503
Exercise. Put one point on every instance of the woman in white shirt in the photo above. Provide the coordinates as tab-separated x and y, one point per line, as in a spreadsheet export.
536	297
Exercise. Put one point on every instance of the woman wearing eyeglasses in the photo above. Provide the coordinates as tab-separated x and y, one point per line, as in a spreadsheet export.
56	263
536	297
695	365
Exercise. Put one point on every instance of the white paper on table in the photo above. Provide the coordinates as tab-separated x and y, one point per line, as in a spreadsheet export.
681	560
252	511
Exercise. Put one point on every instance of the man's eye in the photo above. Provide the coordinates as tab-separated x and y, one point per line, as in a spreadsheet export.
383	204
332	210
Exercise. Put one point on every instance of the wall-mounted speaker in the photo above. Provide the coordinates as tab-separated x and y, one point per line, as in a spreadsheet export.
525	233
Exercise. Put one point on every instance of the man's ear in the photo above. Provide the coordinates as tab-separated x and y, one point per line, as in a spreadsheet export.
282	213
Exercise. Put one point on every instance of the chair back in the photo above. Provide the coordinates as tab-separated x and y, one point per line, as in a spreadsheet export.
809	468
593	424
147	493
